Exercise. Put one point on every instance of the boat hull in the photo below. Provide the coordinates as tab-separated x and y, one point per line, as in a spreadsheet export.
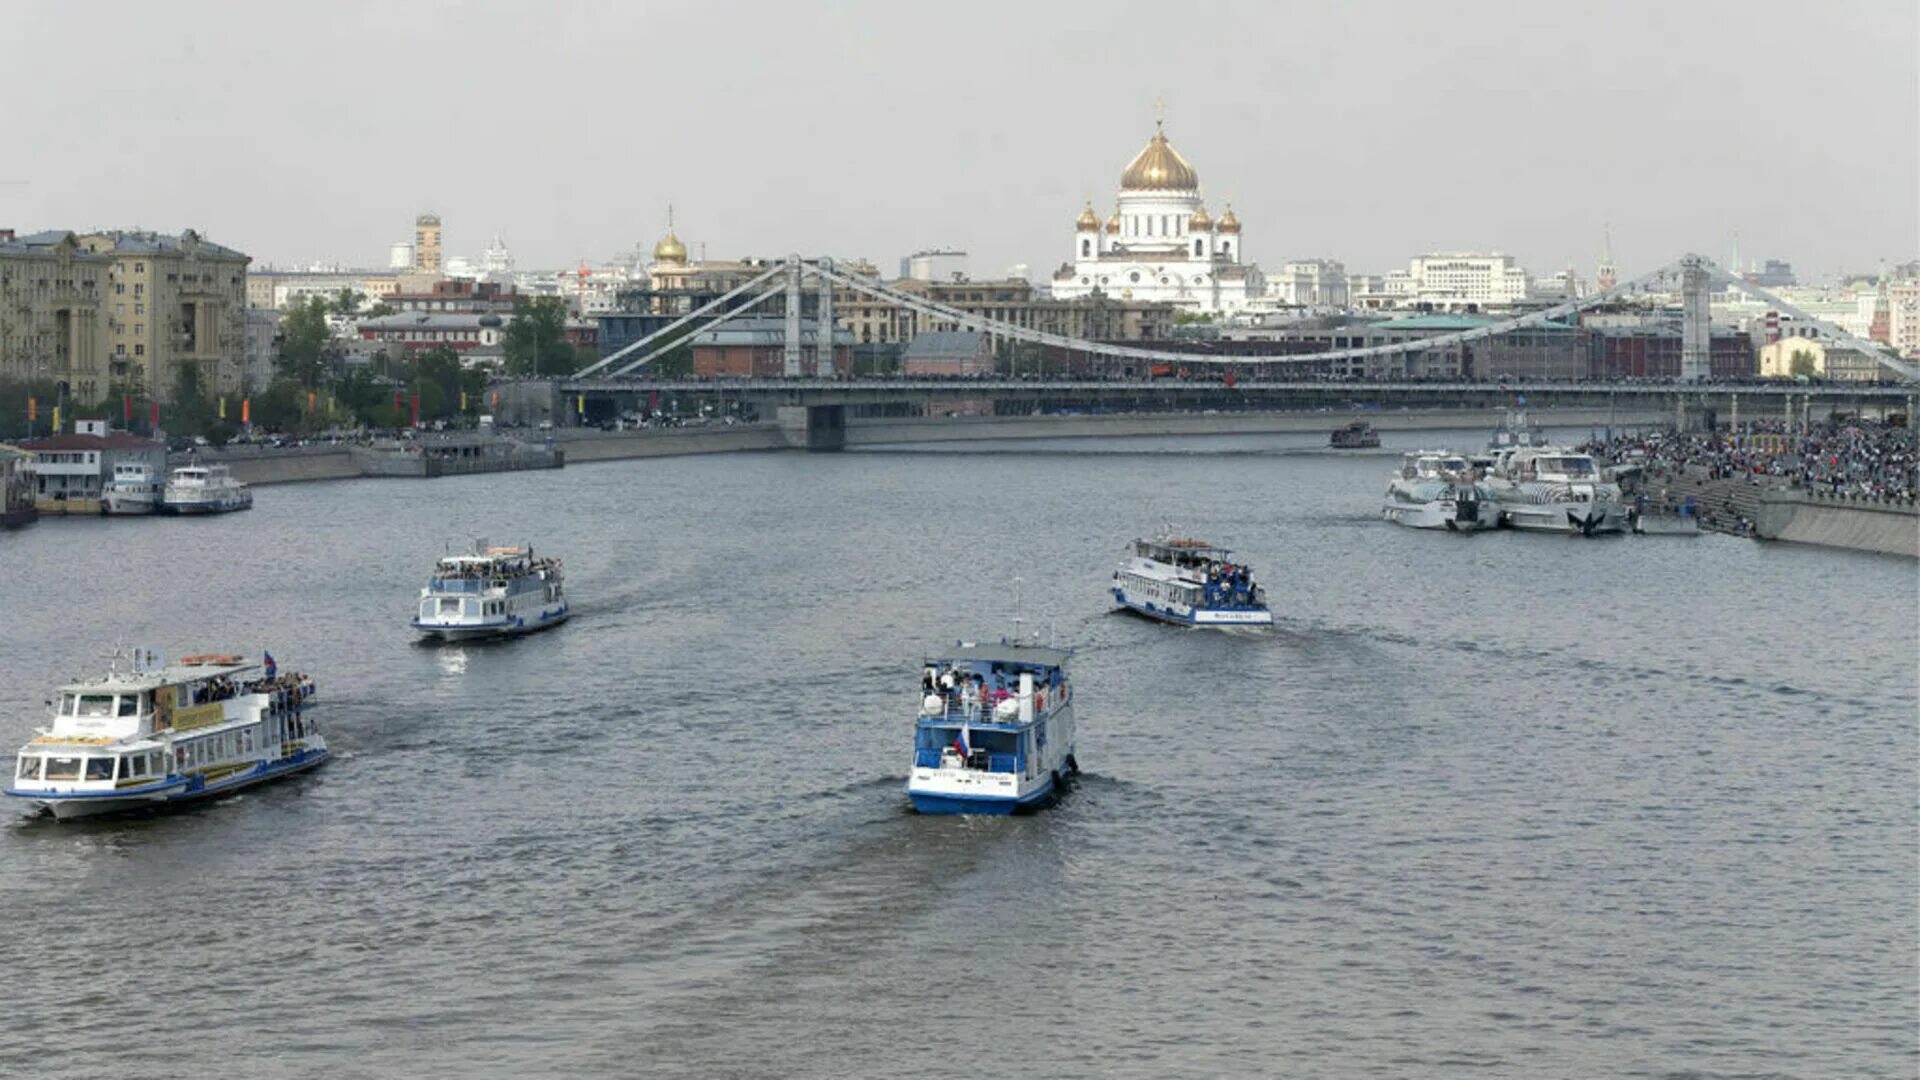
1209	618
504	628
207	506
1438	514
174	791
935	802
1581	518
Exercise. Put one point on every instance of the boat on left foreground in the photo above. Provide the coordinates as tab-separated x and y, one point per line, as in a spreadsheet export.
994	733
150	735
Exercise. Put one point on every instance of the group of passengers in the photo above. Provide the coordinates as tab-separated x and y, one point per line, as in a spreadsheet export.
974	693
1230	585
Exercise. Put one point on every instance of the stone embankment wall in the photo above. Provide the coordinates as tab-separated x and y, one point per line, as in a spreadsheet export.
266	465
1741	507
668	442
877	432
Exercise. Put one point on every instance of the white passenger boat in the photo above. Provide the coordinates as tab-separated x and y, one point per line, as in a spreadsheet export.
149	735
134	489
491	592
994	733
205	489
1437	489
1190	583
1549	490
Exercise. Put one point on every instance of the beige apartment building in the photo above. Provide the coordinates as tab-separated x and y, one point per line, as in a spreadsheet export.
174	301
53	313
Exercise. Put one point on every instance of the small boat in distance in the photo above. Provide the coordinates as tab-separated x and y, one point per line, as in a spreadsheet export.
1190	583
994	734
150	735
204	489
1358	435
134	490
491	592
1437	489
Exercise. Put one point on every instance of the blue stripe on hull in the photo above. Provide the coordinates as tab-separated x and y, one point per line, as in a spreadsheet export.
1178	619
175	792
933	803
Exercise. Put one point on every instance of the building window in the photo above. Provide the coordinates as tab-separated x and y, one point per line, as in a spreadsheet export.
1199	247
1086	248
139	350
1134	277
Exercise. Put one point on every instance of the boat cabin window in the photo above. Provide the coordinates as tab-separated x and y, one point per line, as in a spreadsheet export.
67	702
1571	466
129	704
63	768
96	705
99	768
30	766
134	765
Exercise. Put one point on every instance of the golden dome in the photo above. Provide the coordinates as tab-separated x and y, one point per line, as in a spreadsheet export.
1200	221
670	249
1229	223
1113	223
1088	221
1159	168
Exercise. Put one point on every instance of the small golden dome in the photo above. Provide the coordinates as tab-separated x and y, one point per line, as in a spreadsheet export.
1159	168
670	249
1088	221
1200	222
1113	223
1229	223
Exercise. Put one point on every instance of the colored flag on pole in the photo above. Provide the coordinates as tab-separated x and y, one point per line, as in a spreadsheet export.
463	401
496	401
246	410
156	415
313	401
272	668
580	405
126	410
223	406
964	744
56	419
33	409
416	410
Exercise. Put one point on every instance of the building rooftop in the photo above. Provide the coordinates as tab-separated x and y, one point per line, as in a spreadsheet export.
118	440
129	241
1437	322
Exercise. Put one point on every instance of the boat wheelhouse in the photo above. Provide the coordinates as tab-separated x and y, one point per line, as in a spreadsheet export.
204	489
135	489
994	734
150	735
491	592
1516	431
1550	490
1190	583
1438	489
1358	435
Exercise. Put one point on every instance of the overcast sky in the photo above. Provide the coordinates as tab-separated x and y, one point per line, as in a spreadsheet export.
1364	131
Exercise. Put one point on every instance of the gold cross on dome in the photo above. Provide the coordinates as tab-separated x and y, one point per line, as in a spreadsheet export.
1159	111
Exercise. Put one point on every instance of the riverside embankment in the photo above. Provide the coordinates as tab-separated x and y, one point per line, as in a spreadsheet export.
269	465
1742	506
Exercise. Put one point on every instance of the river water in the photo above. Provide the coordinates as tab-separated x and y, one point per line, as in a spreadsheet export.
1494	805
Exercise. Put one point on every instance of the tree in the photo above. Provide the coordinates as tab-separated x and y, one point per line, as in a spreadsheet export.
304	337
1800	364
536	340
282	407
346	302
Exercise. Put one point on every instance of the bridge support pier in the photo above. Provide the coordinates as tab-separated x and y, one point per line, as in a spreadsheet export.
815	428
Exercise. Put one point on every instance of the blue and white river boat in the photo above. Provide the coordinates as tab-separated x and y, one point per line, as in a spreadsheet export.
995	729
492	592
150	735
1190	583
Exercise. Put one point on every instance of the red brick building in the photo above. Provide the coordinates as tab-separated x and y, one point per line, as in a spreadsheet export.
756	348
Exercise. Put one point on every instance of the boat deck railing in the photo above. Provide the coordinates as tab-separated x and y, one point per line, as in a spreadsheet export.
1046	700
980	761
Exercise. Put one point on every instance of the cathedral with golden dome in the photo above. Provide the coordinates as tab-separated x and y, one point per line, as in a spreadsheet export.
1160	244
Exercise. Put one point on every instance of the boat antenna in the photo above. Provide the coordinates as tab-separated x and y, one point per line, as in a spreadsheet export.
1018	622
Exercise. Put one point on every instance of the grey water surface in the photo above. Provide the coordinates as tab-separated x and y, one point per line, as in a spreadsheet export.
1495	805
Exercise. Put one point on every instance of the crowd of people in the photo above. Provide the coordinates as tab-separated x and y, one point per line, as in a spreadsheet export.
1855	458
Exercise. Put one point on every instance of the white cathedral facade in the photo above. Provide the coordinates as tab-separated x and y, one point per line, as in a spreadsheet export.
1161	244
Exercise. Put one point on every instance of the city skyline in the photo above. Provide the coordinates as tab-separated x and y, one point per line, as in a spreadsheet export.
787	140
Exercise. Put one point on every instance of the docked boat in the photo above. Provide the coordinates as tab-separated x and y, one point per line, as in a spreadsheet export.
1190	583
204	489
150	735
1436	489
994	734
492	592
1358	435
134	490
1516	431
1549	490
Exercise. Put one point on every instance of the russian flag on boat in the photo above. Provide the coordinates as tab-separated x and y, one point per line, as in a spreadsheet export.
272	668
961	743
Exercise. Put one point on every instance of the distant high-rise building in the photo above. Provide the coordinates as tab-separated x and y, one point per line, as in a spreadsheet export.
426	243
1774	274
400	256
937	265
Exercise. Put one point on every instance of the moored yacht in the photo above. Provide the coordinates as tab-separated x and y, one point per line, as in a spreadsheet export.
994	734
1437	489
204	489
1549	490
1190	583
491	592
151	734
134	490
